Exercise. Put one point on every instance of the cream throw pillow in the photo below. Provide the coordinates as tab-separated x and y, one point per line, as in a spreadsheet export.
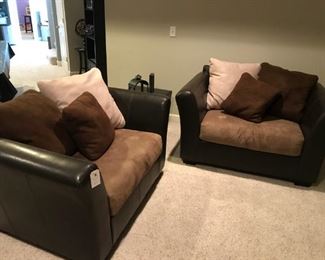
224	76
65	90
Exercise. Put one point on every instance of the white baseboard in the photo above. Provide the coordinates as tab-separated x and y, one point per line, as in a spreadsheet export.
174	115
65	65
74	73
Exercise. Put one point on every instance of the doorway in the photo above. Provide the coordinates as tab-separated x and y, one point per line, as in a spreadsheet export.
34	20
25	19
59	37
32	36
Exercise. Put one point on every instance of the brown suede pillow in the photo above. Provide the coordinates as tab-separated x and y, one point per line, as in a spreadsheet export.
250	98
295	88
33	119
89	126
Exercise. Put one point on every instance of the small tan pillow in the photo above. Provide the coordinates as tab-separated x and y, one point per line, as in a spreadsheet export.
89	126
64	90
33	119
223	77
250	99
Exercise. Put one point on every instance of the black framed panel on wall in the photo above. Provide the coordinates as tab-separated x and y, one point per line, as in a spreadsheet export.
95	39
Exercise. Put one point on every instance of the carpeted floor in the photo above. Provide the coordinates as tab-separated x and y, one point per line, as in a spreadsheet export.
200	212
31	64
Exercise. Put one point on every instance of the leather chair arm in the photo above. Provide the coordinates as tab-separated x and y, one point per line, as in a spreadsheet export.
144	111
316	139
54	166
192	107
46	199
312	154
313	127
314	110
192	104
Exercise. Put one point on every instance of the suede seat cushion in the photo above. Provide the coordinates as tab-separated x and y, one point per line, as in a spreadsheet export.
89	126
295	88
273	135
126	162
33	119
250	98
65	90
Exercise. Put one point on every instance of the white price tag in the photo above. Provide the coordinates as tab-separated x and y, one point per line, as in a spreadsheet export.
94	178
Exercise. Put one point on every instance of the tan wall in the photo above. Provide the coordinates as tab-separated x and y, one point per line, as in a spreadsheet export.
289	33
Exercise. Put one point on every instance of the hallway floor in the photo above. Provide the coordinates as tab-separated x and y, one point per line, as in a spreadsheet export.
31	64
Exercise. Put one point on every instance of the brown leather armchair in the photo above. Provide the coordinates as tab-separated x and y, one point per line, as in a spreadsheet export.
302	170
46	198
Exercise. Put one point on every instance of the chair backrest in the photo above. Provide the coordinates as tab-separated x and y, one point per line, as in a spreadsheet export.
7	90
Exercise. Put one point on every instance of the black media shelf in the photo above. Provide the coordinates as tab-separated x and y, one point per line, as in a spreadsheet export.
95	44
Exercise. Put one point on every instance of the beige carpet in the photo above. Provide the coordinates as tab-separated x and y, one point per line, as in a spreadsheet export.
199	212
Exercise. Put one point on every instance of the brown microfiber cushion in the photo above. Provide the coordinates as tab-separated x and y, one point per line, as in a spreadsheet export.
295	88
34	119
250	98
89	126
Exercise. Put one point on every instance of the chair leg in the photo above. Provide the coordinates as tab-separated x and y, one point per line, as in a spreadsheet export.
304	184
188	162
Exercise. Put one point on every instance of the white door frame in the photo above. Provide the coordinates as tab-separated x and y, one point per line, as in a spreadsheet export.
62	33
53	28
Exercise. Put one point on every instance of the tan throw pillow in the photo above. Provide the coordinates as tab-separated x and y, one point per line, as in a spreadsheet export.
250	99
223	77
89	126
64	90
295	88
33	119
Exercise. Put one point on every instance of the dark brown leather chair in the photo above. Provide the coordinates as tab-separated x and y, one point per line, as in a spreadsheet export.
46	198
302	170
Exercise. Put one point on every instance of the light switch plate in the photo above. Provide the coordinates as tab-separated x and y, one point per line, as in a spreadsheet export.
172	31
